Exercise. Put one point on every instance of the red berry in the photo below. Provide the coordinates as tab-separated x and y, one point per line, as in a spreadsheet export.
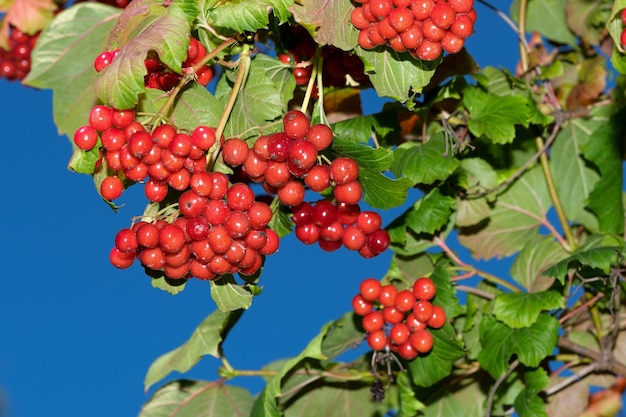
360	306
442	15
101	118
377	340
318	178
407	351
103	60
438	318
422	341
370	289
349	193
392	315
203	137
373	321
295	124
428	50
461	6
147	235
126	240
401	18
235	152
320	135
405	301
303	154
111	188
369	222
400	333
378	241
171	238
239	197
423	310
424	289
121	260
344	170
388	295
324	213
451	43
86	138
380	8
462	27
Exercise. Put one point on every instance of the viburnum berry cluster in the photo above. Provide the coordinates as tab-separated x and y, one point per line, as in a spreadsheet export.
289	162
337	65
15	62
398	320
424	28
161	77
212	227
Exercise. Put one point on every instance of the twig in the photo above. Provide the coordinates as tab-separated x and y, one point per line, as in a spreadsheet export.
606	361
496	385
570	380
475	291
580	308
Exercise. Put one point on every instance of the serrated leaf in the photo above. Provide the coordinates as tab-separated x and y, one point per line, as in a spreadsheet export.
431	212
359	129
205	340
193	107
248	15
381	191
529	266
521	309
329	21
548	18
514	219
258	104
409	404
424	163
494	116
573	178
378	159
604	150
500	342
437	364
230	296
120	83
84	162
394	75
280	73
281	220
341	335
63	61
528	403
446	292
601	258
186	398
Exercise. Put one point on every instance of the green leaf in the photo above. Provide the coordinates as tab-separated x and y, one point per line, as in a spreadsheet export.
599	257
538	255
581	18
572	172
257	105
172	286
280	74
186	398
521	309
437	364
328	21
424	163
394	75
230	296
605	151
205	340
514	220
359	129
266	404
431	212
500	342
281	220
120	84
477	175
446	292
548	18
247	15
63	61
378	159
409	404
494	116
381	191
341	335
194	106
84	162
528	403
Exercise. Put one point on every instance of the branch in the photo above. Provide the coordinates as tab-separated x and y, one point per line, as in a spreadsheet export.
570	380
606	361
496	385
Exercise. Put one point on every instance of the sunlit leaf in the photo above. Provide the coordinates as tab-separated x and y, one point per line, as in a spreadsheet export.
548	18
247	15
205	340
431	212
329	21
424	163
520	309
381	191
366	157
187	398
120	84
230	296
63	61
528	403
529	266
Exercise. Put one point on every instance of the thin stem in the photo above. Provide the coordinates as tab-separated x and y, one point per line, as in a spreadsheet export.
210	55
580	308
496	385
523	5
475	291
570	380
312	80
556	201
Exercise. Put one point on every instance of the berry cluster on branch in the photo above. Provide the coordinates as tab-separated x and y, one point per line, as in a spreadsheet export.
15	62
398	320
161	77
424	28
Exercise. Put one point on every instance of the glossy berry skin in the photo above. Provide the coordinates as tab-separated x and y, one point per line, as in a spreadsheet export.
171	238
373	321
111	188
378	241
387	295
360	306
377	340
438	318
400	333
370	289
423	310
422	341
295	124
126	240
320	135
424	289
405	301
442	15
121	260
85	138
103	60
235	152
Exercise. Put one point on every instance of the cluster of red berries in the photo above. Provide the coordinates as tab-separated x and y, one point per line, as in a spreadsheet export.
336	64
159	76
15	62
333	225
399	320
424	28
219	230
214	228
287	163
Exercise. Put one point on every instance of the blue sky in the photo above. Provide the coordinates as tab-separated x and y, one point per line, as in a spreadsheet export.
77	335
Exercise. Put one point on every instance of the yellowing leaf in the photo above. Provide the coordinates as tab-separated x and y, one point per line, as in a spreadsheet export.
29	16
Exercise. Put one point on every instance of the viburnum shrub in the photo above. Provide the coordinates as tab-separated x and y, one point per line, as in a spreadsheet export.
243	122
